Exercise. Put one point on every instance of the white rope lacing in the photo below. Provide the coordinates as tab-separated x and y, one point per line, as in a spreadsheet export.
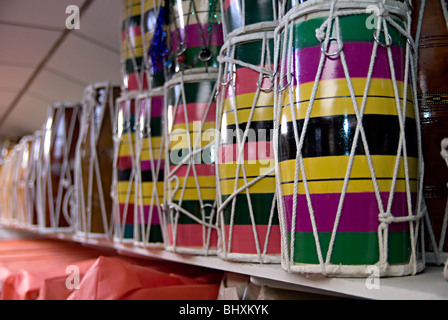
228	64
385	216
175	209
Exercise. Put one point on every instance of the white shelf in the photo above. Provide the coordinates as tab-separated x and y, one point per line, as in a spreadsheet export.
428	285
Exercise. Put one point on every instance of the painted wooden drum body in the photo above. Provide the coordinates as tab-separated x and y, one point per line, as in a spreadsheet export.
94	161
433	104
252	15
249	228
124	168
56	174
196	34
7	190
190	192
133	44
349	185
150	163
22	200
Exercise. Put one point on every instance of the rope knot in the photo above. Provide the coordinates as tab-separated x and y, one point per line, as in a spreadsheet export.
385	219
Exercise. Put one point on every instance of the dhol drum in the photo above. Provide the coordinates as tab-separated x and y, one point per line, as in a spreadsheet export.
150	167
94	162
133	55
32	178
124	170
241	16
196	35
432	87
249	225
190	181
56	173
21	173
6	196
348	151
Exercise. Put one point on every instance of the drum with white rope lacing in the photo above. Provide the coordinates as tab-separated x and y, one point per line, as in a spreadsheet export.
21	173
56	171
94	162
190	181
347	146
249	227
150	167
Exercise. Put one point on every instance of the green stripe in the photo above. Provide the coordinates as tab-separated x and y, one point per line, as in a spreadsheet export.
154	237
261	204
256	11
351	248
191	56
131	127
196	92
129	64
251	52
353	29
194	207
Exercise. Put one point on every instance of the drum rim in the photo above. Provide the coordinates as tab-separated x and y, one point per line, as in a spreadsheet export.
197	76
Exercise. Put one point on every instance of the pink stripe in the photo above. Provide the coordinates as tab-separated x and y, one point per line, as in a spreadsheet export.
157	106
357	55
193	37
359	213
129	213
155	215
243	240
195	112
245	82
191	236
133	82
262	150
146	165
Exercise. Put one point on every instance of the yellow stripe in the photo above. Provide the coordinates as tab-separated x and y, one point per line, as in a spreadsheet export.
135	10
147	193
265	185
327	168
192	194
354	186
247	100
124	149
260	114
340	106
194	126
253	168
320	168
204	181
122	188
180	139
151	4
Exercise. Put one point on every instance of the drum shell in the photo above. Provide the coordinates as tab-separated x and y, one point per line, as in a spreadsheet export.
242	92
59	149
151	162
196	31
125	168
328	143
96	146
433	106
185	234
132	42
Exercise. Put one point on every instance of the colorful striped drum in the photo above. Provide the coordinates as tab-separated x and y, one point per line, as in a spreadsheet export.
94	162
22	166
150	163
124	168
433	104
7	191
250	229
350	188
190	193
133	55
56	175
196	34
253	15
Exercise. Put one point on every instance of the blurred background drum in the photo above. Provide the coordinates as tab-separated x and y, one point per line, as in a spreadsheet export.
433	104
190	181
56	175
150	167
348	142
196	34
249	225
124	168
94	162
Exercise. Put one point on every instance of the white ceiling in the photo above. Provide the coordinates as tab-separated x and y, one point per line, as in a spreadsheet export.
42	62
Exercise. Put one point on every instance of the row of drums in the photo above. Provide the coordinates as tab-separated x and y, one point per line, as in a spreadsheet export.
258	131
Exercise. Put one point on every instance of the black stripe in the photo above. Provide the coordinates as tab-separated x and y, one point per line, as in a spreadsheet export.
147	176
333	136
124	174
351	178
258	131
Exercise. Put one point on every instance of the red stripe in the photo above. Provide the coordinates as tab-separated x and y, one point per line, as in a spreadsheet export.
243	240
246	82
133	82
202	170
124	162
191	236
135	31
129	213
